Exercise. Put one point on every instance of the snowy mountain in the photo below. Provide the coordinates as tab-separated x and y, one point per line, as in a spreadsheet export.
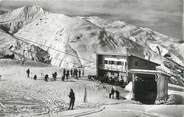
13	21
74	41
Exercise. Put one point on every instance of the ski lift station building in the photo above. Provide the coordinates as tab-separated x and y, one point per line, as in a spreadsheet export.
148	84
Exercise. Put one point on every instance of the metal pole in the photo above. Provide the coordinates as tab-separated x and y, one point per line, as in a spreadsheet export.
133	86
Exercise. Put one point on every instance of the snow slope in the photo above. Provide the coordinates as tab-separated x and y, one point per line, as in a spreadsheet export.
19	94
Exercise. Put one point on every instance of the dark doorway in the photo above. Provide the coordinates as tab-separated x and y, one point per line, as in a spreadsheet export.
145	88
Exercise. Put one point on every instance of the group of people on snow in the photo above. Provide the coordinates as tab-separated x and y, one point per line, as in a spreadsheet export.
76	73
66	74
114	94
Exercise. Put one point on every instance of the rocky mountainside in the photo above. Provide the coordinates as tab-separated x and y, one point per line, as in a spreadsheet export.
74	41
13	21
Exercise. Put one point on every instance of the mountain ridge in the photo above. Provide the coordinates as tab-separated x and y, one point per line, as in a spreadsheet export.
83	37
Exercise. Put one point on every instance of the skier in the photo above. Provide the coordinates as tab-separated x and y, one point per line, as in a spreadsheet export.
64	74
28	72
67	74
83	72
111	95
54	75
76	74
71	72
117	94
35	77
63	78
46	77
72	99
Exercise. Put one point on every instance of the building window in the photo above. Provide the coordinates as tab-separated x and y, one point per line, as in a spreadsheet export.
119	63
111	62
106	62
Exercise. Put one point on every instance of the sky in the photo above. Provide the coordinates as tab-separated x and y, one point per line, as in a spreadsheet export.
164	16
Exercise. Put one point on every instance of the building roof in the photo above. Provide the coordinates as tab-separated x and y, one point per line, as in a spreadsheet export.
143	71
145	60
124	55
112	54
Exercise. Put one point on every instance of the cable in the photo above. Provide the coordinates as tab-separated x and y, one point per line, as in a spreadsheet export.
27	41
23	39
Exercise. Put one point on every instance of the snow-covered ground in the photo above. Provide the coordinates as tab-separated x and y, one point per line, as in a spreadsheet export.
16	89
133	110
19	94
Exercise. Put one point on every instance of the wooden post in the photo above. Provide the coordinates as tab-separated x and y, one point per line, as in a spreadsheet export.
85	95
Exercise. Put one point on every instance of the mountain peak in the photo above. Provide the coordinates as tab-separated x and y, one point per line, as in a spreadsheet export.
33	8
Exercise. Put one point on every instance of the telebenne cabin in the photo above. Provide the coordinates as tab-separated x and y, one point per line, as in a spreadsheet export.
148	84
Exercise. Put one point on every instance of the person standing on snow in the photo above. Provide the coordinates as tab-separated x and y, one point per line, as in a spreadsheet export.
76	74
79	73
35	77
67	74
54	75
111	95
83	72
71	72
72	99
64	72
46	77
28	72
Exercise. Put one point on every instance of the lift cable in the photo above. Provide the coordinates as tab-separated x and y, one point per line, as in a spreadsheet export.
26	40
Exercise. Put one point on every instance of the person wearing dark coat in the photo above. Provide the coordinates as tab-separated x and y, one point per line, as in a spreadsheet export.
111	95
28	72
72	99
46	77
76	74
71	72
117	94
64	74
63	78
35	77
83	72
67	74
54	75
